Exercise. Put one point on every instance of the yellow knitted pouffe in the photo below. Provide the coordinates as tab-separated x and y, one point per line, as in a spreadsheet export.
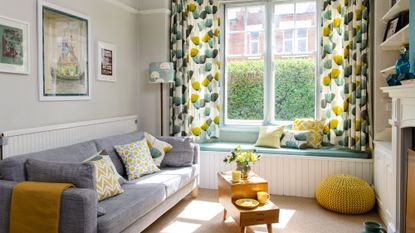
345	194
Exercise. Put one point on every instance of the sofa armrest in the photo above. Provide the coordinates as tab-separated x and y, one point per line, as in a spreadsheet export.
6	188
78	209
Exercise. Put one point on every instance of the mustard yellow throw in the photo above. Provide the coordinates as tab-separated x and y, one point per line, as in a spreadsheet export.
35	207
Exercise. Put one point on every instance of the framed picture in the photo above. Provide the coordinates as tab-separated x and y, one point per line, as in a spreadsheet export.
396	24
391	28
14	46
106	62
64	54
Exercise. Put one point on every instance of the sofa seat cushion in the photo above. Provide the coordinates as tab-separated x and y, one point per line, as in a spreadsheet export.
173	179
126	208
108	144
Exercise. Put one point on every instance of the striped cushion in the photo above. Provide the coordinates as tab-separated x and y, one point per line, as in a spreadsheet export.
107	184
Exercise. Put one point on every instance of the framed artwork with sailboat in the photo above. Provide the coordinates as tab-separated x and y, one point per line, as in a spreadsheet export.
64	51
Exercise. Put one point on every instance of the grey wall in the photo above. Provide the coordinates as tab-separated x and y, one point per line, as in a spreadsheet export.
153	47
19	99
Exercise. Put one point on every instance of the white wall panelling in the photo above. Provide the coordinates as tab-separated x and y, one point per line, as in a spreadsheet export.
49	137
288	174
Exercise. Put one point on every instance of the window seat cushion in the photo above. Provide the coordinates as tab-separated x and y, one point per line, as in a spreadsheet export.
322	152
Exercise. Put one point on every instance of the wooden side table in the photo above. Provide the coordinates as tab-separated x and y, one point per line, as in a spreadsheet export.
229	192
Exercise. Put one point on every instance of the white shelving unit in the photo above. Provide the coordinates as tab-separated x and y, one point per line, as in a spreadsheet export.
401	5
387	71
397	40
385	55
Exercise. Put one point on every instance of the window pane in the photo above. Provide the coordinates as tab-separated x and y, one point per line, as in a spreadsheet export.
302	33
256	43
288	46
301	46
294	87
245	63
245	89
236	42
236	19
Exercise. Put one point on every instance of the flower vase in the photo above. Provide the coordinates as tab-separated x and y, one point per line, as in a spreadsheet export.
245	169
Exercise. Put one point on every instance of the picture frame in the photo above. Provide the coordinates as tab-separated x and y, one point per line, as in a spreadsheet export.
396	24
14	46
64	54
391	28
107	58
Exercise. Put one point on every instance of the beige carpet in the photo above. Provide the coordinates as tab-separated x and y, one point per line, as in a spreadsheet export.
297	215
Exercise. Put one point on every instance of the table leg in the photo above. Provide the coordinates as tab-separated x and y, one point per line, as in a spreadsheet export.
269	228
242	229
225	213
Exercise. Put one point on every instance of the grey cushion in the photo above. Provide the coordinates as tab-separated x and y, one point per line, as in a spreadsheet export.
79	174
172	178
78	209
182	153
13	168
125	209
108	144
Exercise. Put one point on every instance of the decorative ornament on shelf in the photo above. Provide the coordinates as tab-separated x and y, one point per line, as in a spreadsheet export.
243	160
402	67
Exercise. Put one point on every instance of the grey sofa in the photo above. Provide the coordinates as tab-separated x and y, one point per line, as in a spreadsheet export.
143	201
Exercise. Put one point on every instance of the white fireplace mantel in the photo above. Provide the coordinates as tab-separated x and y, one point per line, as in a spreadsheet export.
402	117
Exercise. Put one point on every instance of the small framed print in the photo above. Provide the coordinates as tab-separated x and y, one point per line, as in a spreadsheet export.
391	28
106	62
14	46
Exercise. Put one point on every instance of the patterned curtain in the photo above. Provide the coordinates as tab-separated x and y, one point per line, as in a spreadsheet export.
345	102
194	44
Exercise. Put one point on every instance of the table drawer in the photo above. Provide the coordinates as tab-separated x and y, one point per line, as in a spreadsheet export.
258	218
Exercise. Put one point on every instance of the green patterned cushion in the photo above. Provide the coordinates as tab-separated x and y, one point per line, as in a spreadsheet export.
158	148
296	139
137	159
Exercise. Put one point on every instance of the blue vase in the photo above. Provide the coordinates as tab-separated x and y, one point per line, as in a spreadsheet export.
402	65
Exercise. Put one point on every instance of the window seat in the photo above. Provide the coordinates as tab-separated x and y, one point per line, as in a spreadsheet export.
323	152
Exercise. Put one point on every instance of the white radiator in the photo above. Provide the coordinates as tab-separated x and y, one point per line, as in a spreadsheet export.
43	138
288	175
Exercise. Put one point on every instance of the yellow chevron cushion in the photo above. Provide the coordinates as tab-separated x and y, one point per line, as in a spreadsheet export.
345	194
316	130
107	184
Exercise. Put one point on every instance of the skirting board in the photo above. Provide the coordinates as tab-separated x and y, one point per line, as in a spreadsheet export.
43	138
287	175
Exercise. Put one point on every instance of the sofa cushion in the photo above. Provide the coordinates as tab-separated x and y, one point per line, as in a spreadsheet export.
125	209
158	148
270	136
79	174
181	155
13	168
296	139
108	144
137	159
173	179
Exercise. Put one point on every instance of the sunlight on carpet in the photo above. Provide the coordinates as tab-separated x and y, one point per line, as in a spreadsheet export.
205	210
182	227
285	217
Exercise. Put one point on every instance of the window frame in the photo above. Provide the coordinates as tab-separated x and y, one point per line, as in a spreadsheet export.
234	125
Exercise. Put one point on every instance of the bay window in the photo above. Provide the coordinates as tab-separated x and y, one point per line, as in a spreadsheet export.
270	53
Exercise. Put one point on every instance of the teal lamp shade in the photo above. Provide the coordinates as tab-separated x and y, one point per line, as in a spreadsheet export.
161	72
